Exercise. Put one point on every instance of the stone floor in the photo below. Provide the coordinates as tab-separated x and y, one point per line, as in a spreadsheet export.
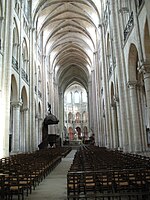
54	186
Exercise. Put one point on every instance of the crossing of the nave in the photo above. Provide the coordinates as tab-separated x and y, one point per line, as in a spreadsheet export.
75	77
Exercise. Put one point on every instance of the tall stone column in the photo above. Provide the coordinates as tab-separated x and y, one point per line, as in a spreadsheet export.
37	141
32	132
61	115
1	47
6	80
94	108
56	106
121	72
145	68
16	127
142	115
136	143
90	103
22	130
24	142
106	114
92	100
27	141
114	126
39	129
119	125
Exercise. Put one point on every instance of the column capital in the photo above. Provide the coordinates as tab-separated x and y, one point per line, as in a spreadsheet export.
132	84
33	29
124	10
113	105
101	25
38	116
24	109
116	98
44	56
144	67
16	103
95	52
26	60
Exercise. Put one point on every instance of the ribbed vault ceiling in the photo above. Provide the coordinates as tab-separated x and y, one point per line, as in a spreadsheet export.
70	33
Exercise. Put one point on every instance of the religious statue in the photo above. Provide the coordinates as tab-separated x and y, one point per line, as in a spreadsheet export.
49	108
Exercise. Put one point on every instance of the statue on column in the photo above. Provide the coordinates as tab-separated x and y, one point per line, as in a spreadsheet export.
49	108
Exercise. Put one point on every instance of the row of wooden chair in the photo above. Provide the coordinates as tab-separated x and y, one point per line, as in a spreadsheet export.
101	173
21	173
97	158
108	184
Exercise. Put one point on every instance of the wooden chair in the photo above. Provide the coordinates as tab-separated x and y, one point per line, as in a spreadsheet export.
2	189
73	189
13	187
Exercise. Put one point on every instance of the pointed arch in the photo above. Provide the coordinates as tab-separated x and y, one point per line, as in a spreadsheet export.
70	117
78	117
133	63
14	89
24	98
24	50
25	61
15	51
84	116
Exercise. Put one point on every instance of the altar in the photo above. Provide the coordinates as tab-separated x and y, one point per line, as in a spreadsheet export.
75	142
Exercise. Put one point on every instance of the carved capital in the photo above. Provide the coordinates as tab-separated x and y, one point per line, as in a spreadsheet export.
144	67
25	110
95	52
113	104
26	60
124	10
132	84
16	104
33	29
38	117
116	98
100	25
44	56
15	44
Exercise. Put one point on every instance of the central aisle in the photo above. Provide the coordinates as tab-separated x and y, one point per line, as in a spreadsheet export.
54	186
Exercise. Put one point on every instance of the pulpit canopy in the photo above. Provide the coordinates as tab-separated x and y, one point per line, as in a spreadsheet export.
51	119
